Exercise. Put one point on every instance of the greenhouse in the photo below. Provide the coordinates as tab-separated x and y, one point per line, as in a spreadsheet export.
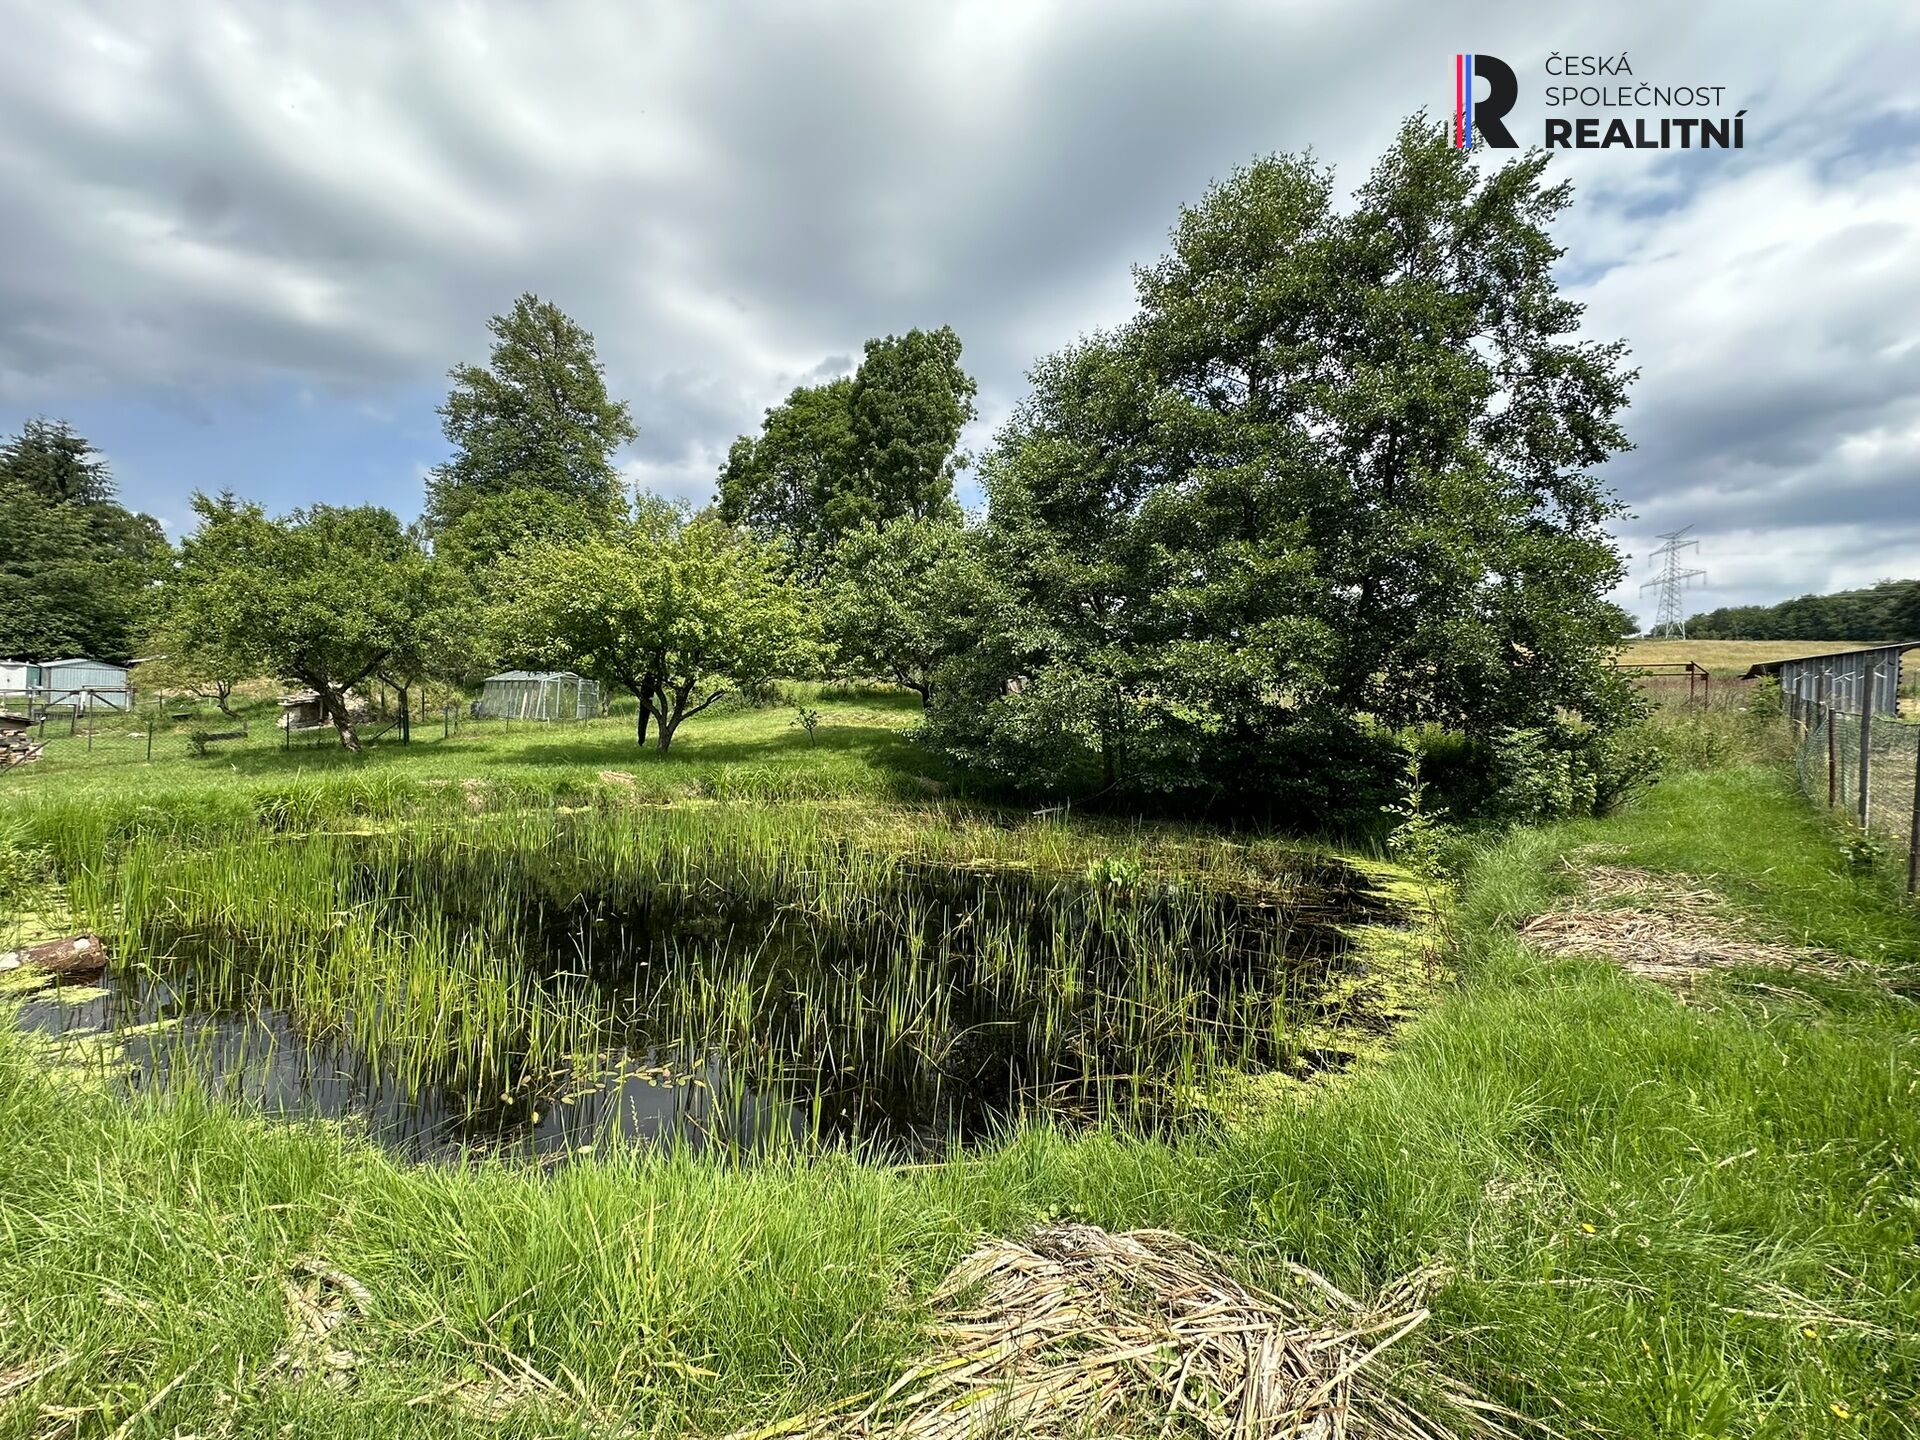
537	695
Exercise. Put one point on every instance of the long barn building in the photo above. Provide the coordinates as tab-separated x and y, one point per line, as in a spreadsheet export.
1851	680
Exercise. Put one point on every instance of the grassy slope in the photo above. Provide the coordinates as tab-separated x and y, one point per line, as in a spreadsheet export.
1615	1179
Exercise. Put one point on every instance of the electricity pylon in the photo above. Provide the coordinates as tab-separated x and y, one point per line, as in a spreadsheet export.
1673	580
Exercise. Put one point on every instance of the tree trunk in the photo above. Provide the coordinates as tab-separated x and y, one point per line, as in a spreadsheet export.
222	693
642	692
922	688
669	706
402	692
334	706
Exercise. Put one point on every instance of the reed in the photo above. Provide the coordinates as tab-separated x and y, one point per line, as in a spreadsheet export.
833	982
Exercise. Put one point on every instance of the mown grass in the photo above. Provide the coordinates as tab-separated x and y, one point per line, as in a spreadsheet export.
1660	1219
739	753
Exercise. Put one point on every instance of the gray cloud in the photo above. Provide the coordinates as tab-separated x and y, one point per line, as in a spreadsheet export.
203	199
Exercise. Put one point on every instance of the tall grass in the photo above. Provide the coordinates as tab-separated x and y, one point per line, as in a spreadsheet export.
1656	1218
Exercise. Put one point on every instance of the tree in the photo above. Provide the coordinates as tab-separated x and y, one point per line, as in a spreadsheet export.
498	524
77	569
536	420
905	598
325	597
1886	610
909	402
183	661
444	640
1335	477
1622	621
781	484
57	465
674	611
875	446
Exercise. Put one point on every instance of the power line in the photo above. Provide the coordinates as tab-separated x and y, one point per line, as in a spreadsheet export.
1672	581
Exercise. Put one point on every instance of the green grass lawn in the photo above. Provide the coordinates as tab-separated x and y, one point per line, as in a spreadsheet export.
857	750
1656	1218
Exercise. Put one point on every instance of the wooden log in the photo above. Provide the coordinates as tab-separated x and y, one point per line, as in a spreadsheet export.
75	955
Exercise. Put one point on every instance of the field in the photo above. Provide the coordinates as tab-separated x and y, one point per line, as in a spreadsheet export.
882	1024
1727	657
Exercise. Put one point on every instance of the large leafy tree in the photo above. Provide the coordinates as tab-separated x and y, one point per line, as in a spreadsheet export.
905	598
186	661
534	434
879	445
77	568
1338	475
325	597
674	611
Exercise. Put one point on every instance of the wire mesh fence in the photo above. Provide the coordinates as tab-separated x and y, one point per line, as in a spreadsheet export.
65	737
1867	767
61	738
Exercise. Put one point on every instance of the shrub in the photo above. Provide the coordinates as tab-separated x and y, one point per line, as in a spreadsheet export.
1420	839
1567	768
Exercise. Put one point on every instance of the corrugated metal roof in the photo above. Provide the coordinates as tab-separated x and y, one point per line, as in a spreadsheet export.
532	675
1773	667
1857	680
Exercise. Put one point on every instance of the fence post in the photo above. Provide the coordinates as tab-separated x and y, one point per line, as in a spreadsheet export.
1913	835
1866	756
1833	757
89	727
149	737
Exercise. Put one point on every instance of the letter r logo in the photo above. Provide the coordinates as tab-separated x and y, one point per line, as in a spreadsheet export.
1486	117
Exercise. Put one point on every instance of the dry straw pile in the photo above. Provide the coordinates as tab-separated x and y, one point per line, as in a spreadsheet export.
1667	928
1082	1332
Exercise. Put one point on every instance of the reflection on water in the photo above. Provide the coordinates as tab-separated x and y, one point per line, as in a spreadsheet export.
260	1058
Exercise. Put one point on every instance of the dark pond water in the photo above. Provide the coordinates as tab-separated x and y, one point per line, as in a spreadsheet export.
936	1008
261	1058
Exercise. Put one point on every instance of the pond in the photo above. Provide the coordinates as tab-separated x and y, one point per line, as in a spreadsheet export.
547	1000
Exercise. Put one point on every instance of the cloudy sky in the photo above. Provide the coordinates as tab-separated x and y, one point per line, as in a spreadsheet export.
240	245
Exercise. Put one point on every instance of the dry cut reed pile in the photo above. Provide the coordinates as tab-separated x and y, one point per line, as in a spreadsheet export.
1666	928
1079	1331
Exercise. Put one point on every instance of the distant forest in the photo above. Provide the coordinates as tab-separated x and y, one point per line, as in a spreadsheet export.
1889	610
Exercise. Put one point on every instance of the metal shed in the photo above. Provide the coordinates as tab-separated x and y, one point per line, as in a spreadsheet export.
85	685
1850	680
537	695
19	683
